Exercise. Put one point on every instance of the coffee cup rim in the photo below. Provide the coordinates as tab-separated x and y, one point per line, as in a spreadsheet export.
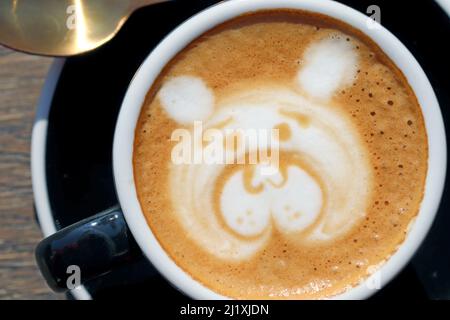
204	21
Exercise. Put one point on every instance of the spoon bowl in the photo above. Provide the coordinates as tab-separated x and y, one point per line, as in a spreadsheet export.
63	27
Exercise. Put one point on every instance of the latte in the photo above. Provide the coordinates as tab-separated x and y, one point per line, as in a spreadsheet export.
352	151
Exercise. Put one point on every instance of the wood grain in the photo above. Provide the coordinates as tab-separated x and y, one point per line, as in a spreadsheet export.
21	79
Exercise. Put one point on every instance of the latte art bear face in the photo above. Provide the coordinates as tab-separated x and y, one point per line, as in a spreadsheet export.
319	190
341	120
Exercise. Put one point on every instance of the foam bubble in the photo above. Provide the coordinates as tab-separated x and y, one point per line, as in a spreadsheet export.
186	99
329	65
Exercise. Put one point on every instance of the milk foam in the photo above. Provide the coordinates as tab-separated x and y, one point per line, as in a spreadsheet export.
353	160
319	192
187	99
329	64
292	207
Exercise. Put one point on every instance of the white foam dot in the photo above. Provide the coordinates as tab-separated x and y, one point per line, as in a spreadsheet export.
328	65
187	99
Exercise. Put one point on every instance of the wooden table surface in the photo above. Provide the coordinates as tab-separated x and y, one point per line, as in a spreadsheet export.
21	79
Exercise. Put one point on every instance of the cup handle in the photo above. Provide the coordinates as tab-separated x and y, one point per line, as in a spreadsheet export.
86	250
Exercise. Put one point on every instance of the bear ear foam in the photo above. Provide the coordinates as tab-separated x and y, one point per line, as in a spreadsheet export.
186	99
328	65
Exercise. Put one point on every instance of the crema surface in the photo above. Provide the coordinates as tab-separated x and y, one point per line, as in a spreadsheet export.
352	151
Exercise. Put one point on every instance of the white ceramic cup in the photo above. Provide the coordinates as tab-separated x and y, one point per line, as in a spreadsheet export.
207	19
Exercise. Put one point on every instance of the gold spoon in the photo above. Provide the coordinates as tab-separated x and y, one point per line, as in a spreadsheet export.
63	27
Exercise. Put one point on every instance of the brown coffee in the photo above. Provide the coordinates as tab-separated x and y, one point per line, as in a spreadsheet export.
352	157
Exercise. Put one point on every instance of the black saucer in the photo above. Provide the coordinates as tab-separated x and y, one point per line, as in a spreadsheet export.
85	107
